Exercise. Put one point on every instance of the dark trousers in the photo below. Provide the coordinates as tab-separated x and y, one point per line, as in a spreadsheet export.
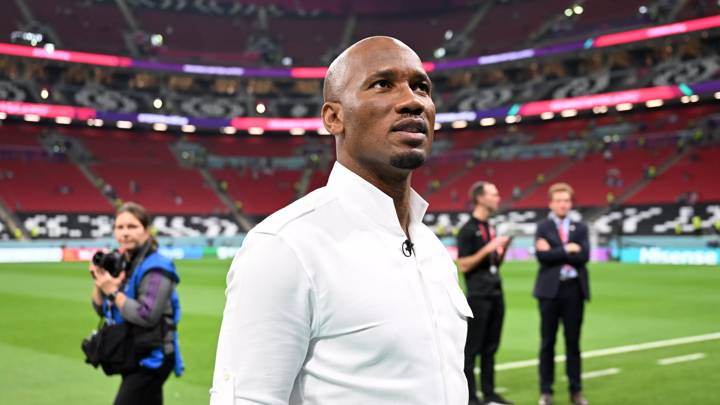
483	339
568	306
144	386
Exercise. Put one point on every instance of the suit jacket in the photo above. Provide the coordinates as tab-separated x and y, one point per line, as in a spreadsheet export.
547	282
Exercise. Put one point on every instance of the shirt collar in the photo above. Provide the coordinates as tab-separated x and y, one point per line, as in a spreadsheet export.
565	221
369	199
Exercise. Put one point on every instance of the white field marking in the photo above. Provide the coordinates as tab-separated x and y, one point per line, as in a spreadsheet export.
681	359
498	390
615	350
600	373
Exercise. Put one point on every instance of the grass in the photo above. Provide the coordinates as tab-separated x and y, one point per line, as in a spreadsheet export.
45	312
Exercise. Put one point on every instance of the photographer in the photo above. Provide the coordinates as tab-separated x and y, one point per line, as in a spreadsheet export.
136	285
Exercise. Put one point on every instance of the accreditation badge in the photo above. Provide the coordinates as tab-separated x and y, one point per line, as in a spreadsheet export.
493	269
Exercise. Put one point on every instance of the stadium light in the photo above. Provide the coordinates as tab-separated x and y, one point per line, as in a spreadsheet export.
156	40
439	53
548	115
487	122
624	107
158	126
439	125
228	130
31	118
694	98
568	12
124	124
654	103
578	9
643	9
717	95
601	109
157	103
44	94
49	47
255	131
459	124
512	119
297	131
188	128
684	99
568	113
63	120
2	115
260	108
323	131
94	122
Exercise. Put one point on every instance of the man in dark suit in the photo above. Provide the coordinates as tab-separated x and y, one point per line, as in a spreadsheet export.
562	287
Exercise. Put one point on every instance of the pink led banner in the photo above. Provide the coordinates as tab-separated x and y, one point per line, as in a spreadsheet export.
605	99
277	124
66	56
657	31
46	110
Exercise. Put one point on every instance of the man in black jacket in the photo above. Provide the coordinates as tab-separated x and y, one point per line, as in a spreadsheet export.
563	250
480	254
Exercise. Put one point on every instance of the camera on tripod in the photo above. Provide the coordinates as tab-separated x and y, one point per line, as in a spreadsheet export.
113	262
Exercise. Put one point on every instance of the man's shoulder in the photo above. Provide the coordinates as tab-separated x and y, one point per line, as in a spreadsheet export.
297	211
467	226
543	223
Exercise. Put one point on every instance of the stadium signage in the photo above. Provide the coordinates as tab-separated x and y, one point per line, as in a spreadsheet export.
656	255
534	108
162	119
319	71
31	255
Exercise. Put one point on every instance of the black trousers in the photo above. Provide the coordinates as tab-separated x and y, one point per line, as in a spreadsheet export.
568	306
483	339
144	386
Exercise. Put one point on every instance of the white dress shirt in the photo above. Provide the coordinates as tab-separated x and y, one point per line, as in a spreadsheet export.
324	308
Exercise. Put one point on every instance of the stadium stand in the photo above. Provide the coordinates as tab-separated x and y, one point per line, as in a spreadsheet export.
606	157
32	180
692	175
72	21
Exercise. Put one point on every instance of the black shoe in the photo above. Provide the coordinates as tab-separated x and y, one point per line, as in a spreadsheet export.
495	399
474	401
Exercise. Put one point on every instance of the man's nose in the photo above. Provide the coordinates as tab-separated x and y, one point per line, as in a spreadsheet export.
410	102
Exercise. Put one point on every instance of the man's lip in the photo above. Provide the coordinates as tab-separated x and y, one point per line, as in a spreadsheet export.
401	125
413	139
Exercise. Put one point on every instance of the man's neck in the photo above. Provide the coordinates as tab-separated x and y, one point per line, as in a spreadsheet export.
395	184
481	213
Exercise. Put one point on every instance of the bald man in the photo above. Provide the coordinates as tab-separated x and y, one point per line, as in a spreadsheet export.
345	296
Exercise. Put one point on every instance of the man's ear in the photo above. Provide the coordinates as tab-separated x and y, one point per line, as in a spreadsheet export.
332	116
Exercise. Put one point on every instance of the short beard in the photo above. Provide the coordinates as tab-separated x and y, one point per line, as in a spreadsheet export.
407	161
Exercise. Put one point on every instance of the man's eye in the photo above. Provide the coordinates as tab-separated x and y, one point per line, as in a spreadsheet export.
423	87
381	84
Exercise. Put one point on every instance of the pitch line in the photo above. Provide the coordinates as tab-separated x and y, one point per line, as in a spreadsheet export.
681	359
616	350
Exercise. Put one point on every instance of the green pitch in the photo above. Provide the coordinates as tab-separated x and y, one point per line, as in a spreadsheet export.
45	312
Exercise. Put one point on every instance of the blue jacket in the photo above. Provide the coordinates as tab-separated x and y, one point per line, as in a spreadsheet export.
154	261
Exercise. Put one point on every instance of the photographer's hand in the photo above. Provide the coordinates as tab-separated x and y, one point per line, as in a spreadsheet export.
108	284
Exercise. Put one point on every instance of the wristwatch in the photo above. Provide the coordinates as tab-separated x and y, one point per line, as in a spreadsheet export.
113	295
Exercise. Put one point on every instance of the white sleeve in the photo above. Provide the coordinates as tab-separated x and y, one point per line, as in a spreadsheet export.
266	325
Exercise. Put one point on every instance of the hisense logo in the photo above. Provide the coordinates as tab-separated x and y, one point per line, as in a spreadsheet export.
660	256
